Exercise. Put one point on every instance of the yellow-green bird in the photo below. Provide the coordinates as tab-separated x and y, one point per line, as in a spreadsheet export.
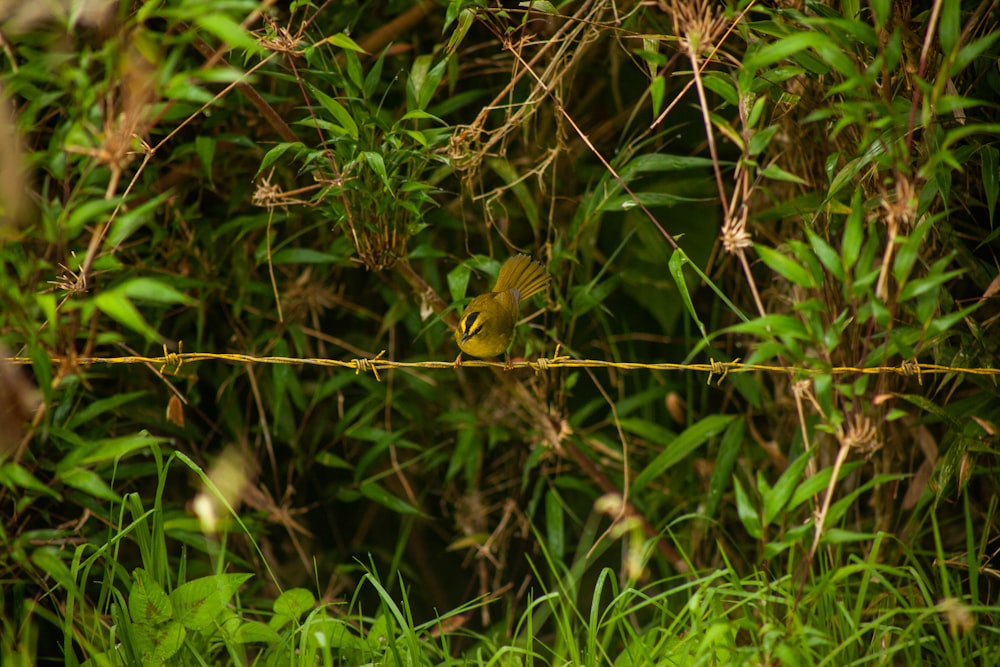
487	325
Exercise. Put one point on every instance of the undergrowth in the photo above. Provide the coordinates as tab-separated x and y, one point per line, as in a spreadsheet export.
811	187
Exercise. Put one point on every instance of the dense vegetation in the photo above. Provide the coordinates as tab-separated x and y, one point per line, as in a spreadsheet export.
771	233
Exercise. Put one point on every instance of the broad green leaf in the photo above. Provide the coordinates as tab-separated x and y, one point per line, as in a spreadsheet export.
678	259
99	407
198	603
151	289
256	632
555	531
465	19
772	325
114	449
991	178
785	266
916	287
681	446
147	601
725	461
342	41
760	140
660	163
776	498
157	644
295	602
973	50
949	25
129	221
648	199
378	493
773	171
657	90
89	482
826	254
850	244
302	256
375	161
117	305
275	154
747	512
647	430
337	110
14	476
226	29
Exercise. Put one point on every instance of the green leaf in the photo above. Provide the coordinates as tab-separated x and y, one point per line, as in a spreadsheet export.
150	289
991	178
342	41
746	511
841	536
226	29
650	431
255	631
295	602
458	281
50	560
197	603
826	254
332	461
781	49
915	288
147	601
555	531
681	446
777	497
661	162
772	325
204	146
725	461
276	153
584	298
814	485
785	266
881	9
378	493
301	256
657	90
89	482
773	171
850	244
158	644
91	211
678	259
949	25
973	50
337	110
648	199
465	19
760	140
114	449
13	476
117	306
375	161
129	221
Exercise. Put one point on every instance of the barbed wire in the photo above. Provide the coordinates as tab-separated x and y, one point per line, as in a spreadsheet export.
171	363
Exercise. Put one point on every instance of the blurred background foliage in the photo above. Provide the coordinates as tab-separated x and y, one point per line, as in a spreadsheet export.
807	185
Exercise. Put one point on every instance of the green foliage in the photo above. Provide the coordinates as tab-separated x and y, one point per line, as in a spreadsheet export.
812	189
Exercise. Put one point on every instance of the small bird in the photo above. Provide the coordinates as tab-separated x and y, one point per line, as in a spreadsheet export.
487	325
